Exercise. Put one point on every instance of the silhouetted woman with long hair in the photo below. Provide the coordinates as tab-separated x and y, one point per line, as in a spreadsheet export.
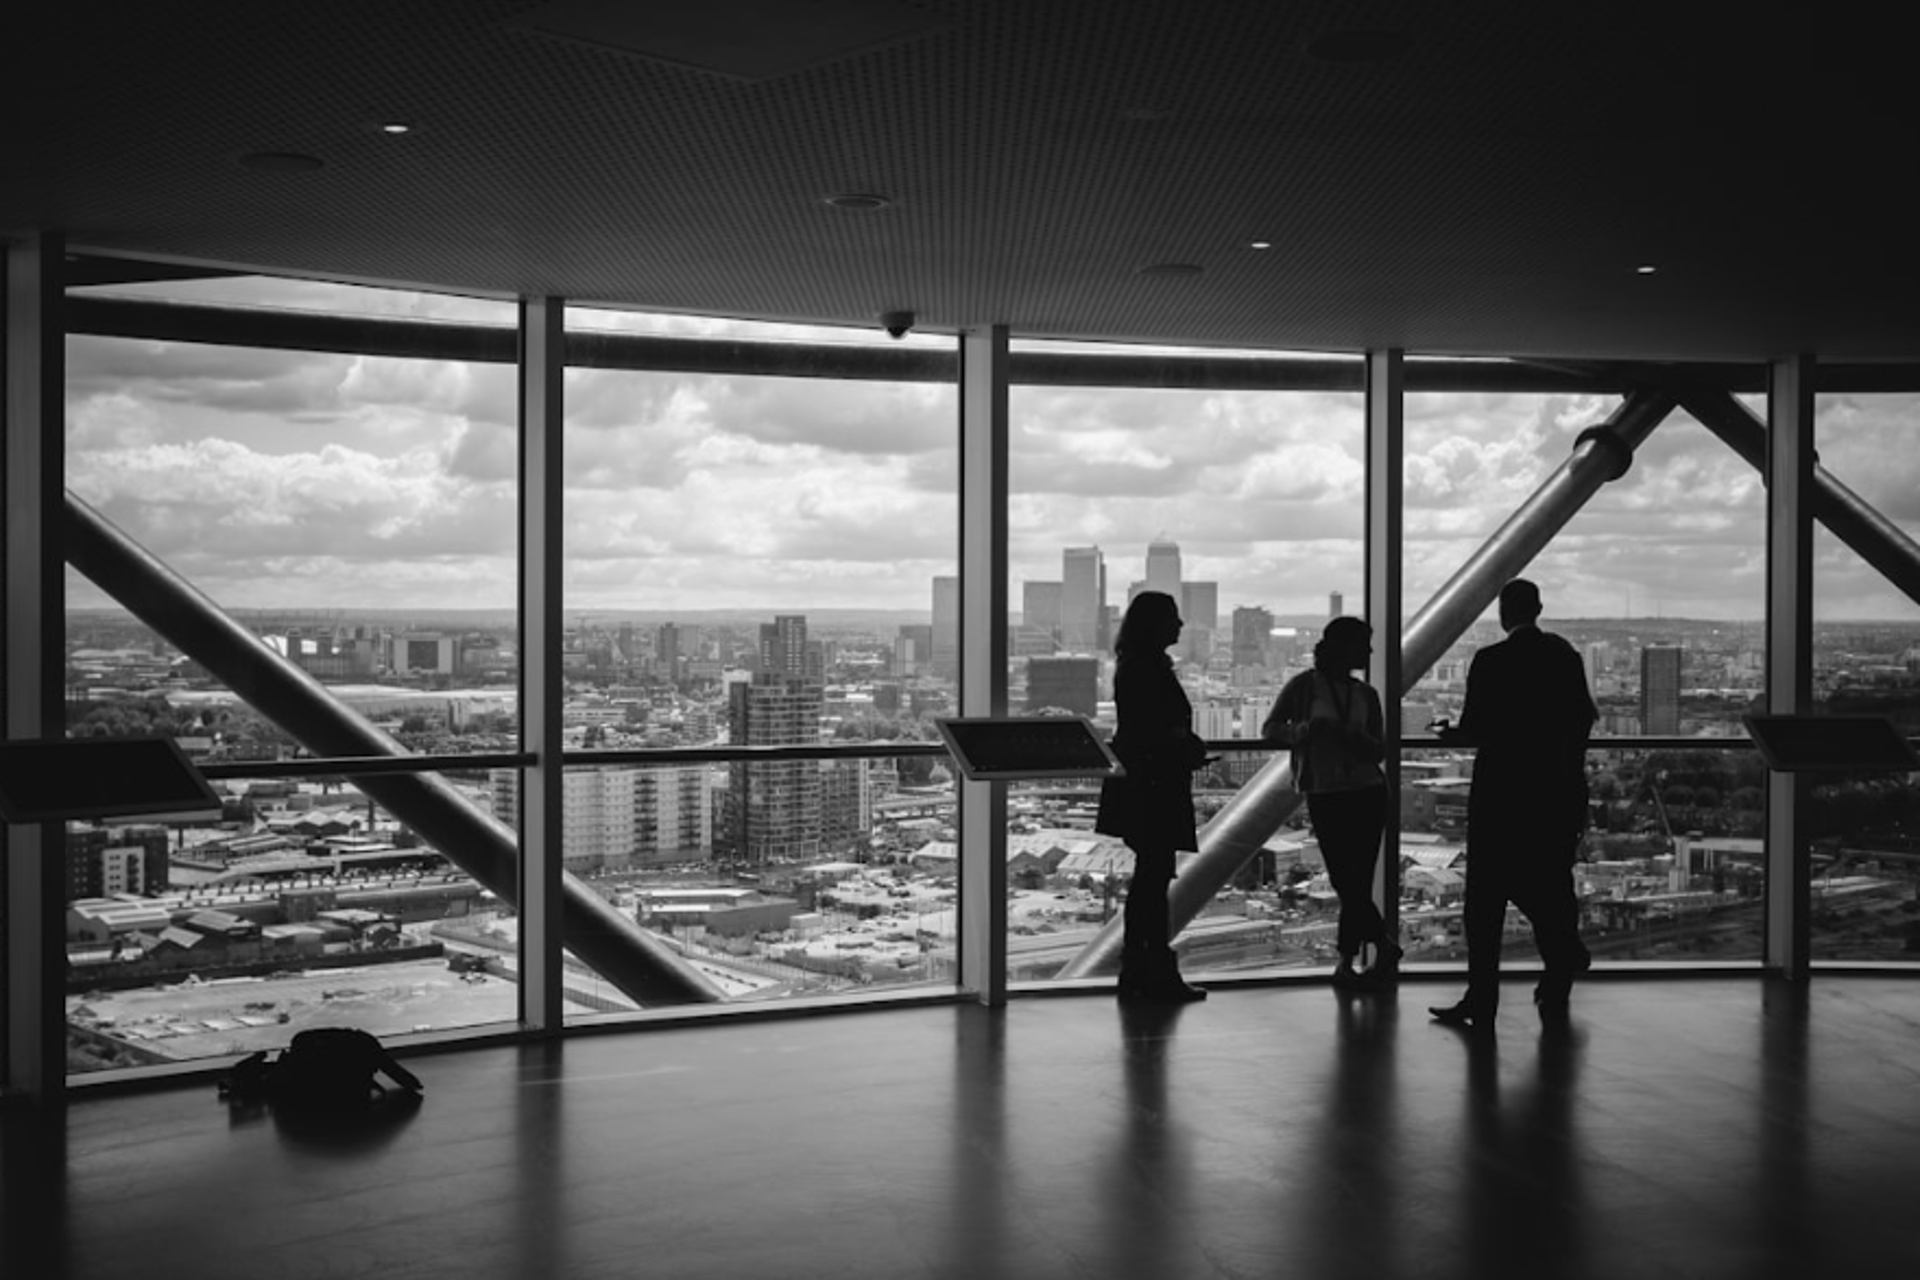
1332	720
1151	807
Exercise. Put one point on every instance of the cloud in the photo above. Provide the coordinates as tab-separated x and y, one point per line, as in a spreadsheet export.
216	497
308	478
842	417
1868	444
227	378
280	401
759	505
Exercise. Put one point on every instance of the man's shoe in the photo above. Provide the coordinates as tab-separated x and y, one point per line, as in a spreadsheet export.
1465	1015
1557	985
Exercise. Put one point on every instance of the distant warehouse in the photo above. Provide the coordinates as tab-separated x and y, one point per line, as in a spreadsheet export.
728	912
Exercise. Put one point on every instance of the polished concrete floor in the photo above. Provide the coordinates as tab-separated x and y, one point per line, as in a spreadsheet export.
1712	1127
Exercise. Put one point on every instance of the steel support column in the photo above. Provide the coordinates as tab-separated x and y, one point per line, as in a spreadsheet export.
34	901
1256	811
542	413
983	654
1790	498
1849	517
1386	486
626	955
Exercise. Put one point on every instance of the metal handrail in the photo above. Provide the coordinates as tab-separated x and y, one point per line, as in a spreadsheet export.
650	757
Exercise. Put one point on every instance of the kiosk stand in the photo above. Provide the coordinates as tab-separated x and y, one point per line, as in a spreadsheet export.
1831	744
990	749
44	783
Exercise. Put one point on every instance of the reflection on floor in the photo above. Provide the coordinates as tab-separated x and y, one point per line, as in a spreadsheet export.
1697	1128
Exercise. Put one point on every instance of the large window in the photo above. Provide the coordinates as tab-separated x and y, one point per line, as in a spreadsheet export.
759	559
1865	828
1247	507
353	515
1658	580
761	622
355	512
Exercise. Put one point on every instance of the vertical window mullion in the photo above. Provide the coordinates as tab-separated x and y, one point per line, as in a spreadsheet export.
1789	464
1386	484
34	901
542	408
983	654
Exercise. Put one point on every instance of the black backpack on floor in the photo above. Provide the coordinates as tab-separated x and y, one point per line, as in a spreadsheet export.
321	1068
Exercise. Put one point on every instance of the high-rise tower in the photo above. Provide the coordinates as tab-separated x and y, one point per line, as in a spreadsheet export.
1163	568
1083	600
666	651
1040	607
773	806
1660	689
783	644
946	627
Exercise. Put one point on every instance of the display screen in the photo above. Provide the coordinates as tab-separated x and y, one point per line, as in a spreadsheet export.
1802	744
119	778
1032	747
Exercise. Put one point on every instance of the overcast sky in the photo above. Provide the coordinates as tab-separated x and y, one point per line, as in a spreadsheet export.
289	479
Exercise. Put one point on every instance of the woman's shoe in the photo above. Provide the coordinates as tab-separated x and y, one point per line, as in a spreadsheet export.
1386	963
1177	990
1166	984
1348	978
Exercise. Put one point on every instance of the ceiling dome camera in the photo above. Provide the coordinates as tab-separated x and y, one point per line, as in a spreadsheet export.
896	323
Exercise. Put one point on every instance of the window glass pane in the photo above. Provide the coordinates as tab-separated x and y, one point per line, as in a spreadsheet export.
1865	828
752	559
356	513
1658	580
1247	507
876	911
308	905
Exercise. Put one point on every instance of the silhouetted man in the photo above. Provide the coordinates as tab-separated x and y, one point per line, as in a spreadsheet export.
1528	713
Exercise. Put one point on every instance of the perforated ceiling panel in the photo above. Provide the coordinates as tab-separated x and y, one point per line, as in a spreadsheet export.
1491	188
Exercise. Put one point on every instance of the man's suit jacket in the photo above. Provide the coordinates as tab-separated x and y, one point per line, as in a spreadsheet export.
1528	712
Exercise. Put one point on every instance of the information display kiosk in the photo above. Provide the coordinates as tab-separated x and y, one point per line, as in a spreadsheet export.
107	779
1831	744
990	749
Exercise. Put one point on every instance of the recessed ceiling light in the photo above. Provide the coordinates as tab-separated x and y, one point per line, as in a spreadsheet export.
1260	244
1645	269
281	162
858	201
396	126
1171	269
1358	45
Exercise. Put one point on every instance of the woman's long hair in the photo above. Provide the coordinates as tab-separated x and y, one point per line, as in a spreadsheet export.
1147	619
1343	638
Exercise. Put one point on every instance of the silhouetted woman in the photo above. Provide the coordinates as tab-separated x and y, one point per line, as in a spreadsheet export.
1333	723
1151	808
